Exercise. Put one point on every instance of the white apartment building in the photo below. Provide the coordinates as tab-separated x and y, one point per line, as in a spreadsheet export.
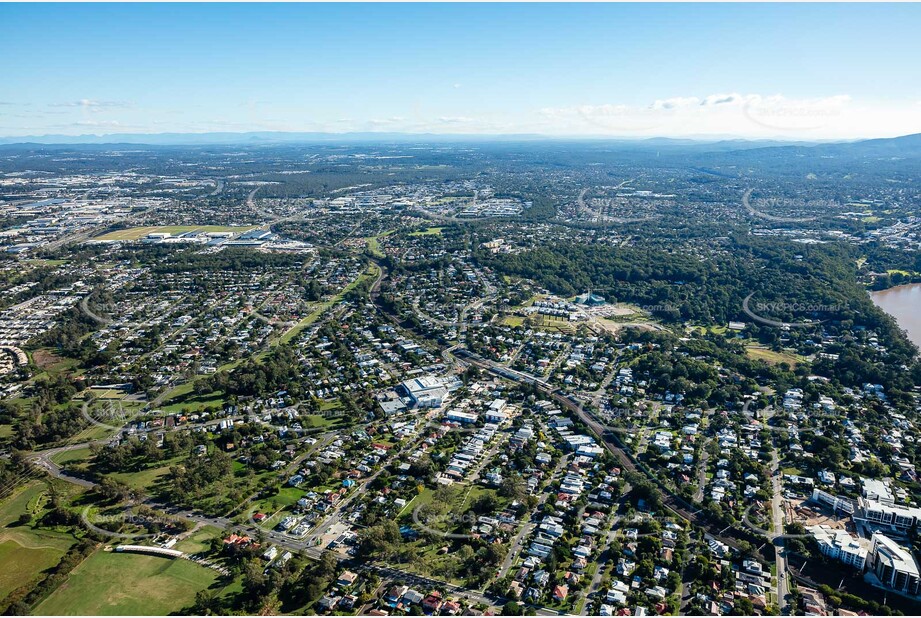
894	566
840	545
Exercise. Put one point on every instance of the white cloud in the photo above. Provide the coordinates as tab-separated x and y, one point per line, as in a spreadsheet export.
675	103
89	125
384	122
728	114
456	119
721	99
99	123
92	105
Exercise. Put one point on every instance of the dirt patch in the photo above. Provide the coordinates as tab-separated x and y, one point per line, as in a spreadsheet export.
45	358
809	513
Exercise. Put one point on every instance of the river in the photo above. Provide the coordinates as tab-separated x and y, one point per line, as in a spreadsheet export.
904	304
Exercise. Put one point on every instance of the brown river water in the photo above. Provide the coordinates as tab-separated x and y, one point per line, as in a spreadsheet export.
904	304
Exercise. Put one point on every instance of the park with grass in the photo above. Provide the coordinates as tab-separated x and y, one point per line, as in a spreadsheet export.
117	584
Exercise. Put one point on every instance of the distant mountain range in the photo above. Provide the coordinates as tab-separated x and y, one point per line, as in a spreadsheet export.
905	146
895	148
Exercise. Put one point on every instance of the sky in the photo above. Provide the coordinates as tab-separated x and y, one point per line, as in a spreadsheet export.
794	71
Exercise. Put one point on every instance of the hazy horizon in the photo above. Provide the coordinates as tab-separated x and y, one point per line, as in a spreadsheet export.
357	137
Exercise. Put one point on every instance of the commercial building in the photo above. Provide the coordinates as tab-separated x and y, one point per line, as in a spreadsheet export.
459	416
425	391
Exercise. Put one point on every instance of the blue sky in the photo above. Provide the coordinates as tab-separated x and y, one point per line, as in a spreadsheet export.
791	70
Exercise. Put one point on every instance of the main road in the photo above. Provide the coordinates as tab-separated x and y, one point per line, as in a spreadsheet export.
783	575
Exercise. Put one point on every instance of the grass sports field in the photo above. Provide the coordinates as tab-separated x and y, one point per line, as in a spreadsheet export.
27	552
136	233
110	584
